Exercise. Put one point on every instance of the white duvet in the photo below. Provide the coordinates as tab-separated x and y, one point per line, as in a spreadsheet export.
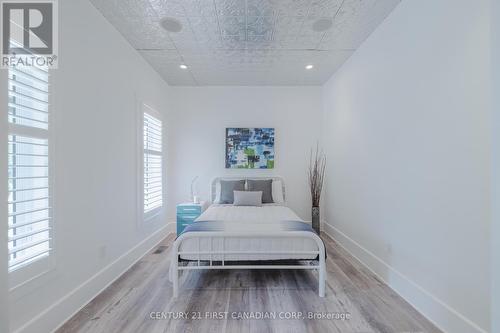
267	213
252	219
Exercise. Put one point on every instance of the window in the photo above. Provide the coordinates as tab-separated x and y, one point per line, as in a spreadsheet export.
29	218
152	145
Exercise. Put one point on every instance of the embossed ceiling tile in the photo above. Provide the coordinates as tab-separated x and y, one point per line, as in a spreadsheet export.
199	8
291	43
260	26
257	40
219	53
331	58
262	53
198	48
209	39
307	27
292	7
261	8
137	8
340	39
353	12
357	7
151	43
230	7
167	8
286	26
197	63
308	41
188	47
233	42
308	38
261	44
144	36
232	25
205	28
324	8
162	57
144	24
234	57
245	42
254	60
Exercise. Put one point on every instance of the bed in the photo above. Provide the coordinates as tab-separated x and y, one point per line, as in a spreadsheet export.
247	237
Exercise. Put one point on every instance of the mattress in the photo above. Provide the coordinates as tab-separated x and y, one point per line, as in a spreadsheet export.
268	218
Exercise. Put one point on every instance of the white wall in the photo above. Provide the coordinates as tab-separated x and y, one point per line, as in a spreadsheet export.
495	148
407	132
201	116
96	88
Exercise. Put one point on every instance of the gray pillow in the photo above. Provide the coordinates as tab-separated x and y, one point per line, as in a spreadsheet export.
248	198
266	186
227	188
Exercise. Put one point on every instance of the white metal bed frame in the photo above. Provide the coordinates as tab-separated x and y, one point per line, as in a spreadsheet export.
211	235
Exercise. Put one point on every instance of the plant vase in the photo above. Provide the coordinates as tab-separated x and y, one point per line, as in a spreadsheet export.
316	219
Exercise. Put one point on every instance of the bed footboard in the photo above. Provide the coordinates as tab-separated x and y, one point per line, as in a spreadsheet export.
176	268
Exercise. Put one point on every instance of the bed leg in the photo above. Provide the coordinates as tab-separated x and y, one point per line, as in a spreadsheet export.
322	278
175	277
322	272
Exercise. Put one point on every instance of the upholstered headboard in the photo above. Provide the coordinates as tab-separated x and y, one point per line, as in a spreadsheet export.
213	185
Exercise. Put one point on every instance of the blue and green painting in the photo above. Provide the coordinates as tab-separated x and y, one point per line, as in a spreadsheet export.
249	148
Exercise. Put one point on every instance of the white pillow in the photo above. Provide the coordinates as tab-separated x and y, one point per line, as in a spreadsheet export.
217	193
278	192
247	198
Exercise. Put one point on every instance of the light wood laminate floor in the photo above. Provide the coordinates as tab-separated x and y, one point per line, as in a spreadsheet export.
351	290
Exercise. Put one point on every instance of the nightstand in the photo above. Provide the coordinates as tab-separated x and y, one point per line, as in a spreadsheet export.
187	213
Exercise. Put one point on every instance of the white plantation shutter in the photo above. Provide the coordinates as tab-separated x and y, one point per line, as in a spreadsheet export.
153	184
28	97
29	218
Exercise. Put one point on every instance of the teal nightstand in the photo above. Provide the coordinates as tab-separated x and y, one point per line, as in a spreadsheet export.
187	213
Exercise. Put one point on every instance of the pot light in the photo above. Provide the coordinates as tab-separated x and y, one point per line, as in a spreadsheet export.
183	66
309	67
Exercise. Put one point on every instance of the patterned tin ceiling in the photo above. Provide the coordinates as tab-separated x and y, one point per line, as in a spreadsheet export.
246	42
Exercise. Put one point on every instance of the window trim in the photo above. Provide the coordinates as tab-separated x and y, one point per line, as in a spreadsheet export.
146	218
26	275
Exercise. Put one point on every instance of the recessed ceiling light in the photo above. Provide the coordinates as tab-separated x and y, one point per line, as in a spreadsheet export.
183	66
309	67
171	24
322	24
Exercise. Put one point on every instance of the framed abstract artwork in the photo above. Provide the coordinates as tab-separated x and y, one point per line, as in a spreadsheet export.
249	148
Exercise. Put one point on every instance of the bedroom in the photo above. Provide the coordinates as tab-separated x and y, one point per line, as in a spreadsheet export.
399	96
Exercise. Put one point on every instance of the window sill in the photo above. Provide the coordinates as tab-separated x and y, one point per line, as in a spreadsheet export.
152	215
28	279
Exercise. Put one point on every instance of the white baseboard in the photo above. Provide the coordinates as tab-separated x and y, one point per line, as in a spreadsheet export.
172	227
438	312
58	313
